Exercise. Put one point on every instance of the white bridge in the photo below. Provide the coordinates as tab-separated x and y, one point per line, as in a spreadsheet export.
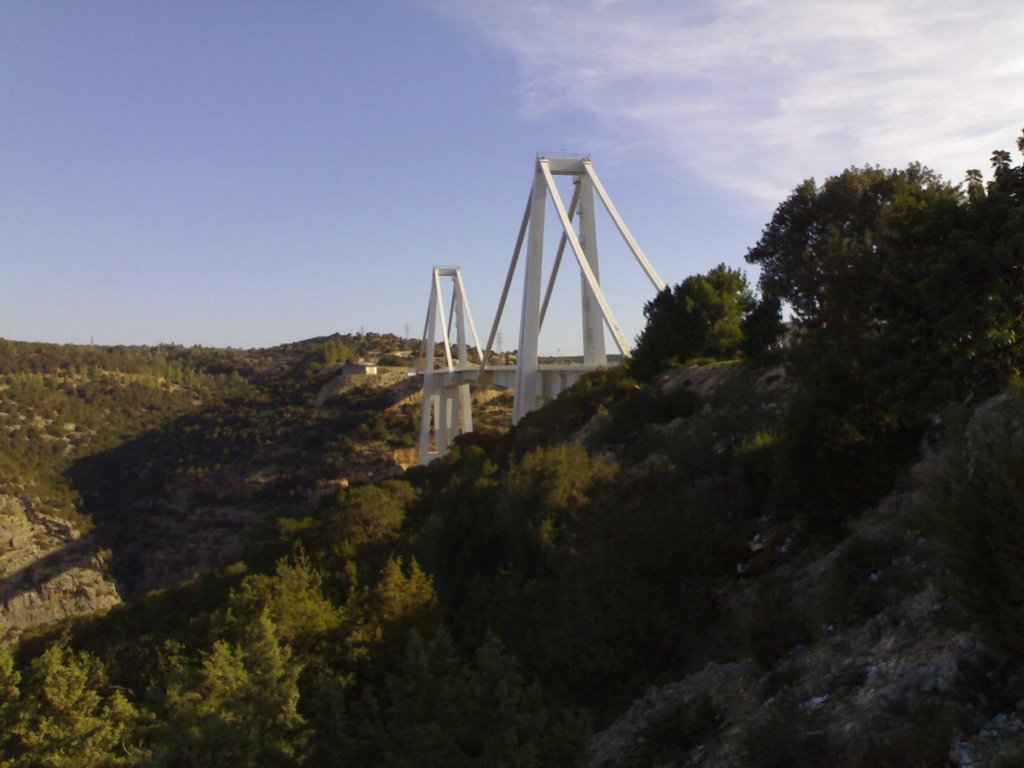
446	384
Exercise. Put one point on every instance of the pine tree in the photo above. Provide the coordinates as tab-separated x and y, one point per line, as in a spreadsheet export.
448	712
9	680
239	708
388	612
64	719
294	601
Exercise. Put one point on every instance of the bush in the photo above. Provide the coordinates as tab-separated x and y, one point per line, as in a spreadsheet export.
788	737
975	496
920	739
856	587
572	409
756	459
774	628
675	735
653	405
700	317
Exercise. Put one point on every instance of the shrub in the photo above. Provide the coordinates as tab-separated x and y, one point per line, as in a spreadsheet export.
975	496
757	460
677	733
920	739
774	628
700	317
787	737
856	586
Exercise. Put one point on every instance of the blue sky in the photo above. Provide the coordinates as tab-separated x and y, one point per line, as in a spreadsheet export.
250	173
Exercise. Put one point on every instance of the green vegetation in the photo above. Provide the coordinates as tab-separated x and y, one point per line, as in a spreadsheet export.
976	494
58	403
495	606
905	295
110	437
698	319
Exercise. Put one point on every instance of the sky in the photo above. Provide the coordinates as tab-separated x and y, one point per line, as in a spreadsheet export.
252	173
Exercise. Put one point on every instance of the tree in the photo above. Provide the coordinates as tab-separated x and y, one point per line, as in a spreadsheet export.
975	185
762	329
293	600
849	258
402	601
371	512
906	295
9	680
700	317
66	718
444	711
825	247
239	708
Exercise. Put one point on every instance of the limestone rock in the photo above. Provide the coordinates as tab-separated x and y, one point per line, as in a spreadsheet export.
48	571
845	692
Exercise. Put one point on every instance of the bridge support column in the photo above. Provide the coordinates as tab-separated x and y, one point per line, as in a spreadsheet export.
453	416
446	408
528	365
593	320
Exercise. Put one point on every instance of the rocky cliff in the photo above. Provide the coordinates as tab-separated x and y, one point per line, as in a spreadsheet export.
48	572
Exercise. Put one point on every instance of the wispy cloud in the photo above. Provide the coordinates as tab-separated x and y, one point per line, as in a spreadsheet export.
756	95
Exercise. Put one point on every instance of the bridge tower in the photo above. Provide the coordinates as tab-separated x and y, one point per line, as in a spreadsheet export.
530	389
446	396
446	408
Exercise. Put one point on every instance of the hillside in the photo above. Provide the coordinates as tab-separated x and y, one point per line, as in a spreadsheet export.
136	468
848	649
752	544
626	547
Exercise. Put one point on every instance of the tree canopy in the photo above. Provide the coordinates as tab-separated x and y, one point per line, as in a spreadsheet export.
698	318
906	294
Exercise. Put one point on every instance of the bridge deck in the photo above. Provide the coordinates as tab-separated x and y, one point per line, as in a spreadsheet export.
499	374
554	378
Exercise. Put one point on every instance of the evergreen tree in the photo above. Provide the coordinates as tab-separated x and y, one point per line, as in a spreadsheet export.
481	714
65	717
9	680
382	616
293	600
239	708
698	318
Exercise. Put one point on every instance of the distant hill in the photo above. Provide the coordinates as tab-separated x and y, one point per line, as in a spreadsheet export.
166	457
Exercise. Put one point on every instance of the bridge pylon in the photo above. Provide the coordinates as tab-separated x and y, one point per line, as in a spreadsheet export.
530	389
446	410
446	396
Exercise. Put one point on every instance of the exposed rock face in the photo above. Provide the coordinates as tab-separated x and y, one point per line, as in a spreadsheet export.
338	382
860	689
836	695
995	432
179	545
48	572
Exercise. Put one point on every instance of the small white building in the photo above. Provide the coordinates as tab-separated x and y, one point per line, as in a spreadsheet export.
361	368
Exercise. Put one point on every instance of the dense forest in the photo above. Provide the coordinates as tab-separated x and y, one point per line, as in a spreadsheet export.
686	559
